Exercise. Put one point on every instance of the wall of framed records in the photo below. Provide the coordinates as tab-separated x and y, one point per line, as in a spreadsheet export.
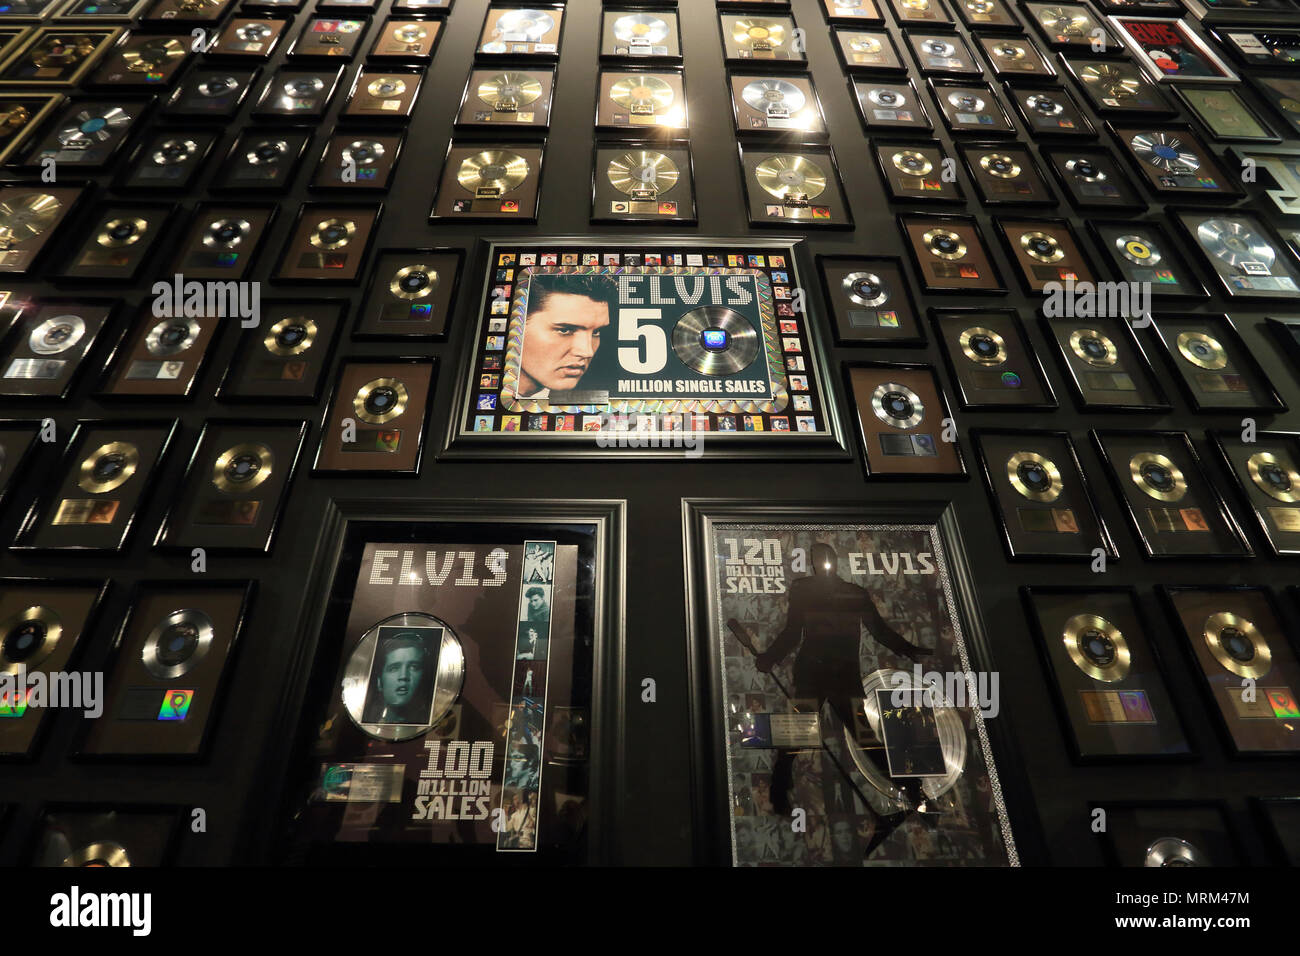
805	246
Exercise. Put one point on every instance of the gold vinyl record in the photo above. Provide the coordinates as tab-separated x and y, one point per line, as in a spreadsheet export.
983	346
497	169
242	468
642	171
1034	476
1000	165
643	27
332	233
290	336
865	44
1097	647
409	33
1174	851
1041	246
380	400
152	55
386	86
1276	477
1202	350
28	637
1112	81
1237	644
917	4
1065	24
509	91
63	51
99	853
414	282
108	467
122	232
1157	476
791	177
944	244
28	217
1094	347
172	336
642	93
749	31
911	162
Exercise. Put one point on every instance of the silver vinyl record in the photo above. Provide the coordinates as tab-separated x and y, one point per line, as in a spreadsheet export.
764	95
363	152
937	47
171	336
1085	170
177	643
1234	243
1046	105
367	700
887	99
865	288
1164	151
226	233
267	153
94	125
1174	851
967	102
640	27
897	405
714	340
28	638
217	86
173	152
303	86
57	334
531	25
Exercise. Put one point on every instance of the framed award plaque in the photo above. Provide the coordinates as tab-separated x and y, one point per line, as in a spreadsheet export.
411	41
1238	642
971	108
262	160
871	301
987	15
785	105
990	358
358	161
31	215
1279	818
1168	833
1214	367
890	105
235	486
1106	671
794	185
170	159
1051	112
1267	475
103	480
641	33
248	38
490	181
383	94
656	348
42	624
328	243
950	255
47	347
328	38
1045	252
223	241
918	172
301	93
1044	501
1092	178
513	30
642	184
910	13
25	113
121	241
141	62
411	294
1005	175
162	358
1248	259
285	358
1173	508
170	13
517	99
808	629
903	421
172	659
1140	251
376	419
57	56
764	38
652	103
1105	365
1175	163
864	12
868	51
1015	58
1170	51
107	836
467	663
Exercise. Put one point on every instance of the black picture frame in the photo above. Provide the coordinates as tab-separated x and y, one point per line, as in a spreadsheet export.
1106	232
1034	366
235	386
944	420
1132	351
1282	542
1270	399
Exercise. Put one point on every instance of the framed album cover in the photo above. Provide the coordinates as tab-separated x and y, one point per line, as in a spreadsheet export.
479	641
376	419
172	659
57	56
1247	258
248	38
1226	116
412	294
235	485
1043	501
411	41
904	427
918	172
655	348
328	38
1267	476
630	184
1172	506
45	350
304	94
167	159
518	99
24	113
867	51
1168	834
892	105
120	241
1175	163
162	358
262	160
1214	366
1105	365
787	105
30	216
104	478
358	160
1051	112
77	835
1093	178
328	243
870	299
1238	643
42	625
1015	58
284	359
747	38
1045	252
950	254
1106	673
651	103
1170	51
991	360
808	626
19	445
490	181
971	108
215	93
1140	251
1005	175
223	241
642	33
798	185
510	31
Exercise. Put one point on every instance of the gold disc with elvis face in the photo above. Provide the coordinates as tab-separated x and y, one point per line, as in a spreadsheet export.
1237	644
1034	476
380	400
1157	476
1097	647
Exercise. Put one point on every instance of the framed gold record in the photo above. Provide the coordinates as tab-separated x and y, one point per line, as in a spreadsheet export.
760	37
1266	474
784	104
57	56
358	160
640	33
517	98
794	185
642	182
412	294
383	94
489	180
248	38
411	41
30	216
528	30
651	103
328	243
860	12
1214	366
21	115
920	12
142	62
387	402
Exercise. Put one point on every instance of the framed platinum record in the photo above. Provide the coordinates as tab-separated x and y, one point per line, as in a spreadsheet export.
655	347
464	656
843	695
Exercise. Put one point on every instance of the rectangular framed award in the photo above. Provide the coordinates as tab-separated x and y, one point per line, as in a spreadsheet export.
989	357
412	294
287	361
376	419
870	300
82	835
1214	366
1266	472
1107	674
162	358
904	426
466	680
1168	833
47	347
1105	365
668	347
809	627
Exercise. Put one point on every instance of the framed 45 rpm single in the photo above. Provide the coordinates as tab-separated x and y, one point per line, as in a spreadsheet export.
1214	366
943	54
1068	25
358	160
991	360
92	501
917	172
636	183
779	104
1046	253
262	160
513	98
412	294
798	185
1015	58
1140	251
903	421
233	493
298	93
1246	256
908	13
890	105
987	15
284	359
871	300
971	108
1107	674
383	94
248	38
411	41
1267	473
1173	508
376	419
1043	500
223	241
46	348
1005	175
212	93
328	38
328	243
162	358
1238	643
1051	112
867	50
121	241
1105	365
168	159
863	12
950	254
141	62
1093	178
642	33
